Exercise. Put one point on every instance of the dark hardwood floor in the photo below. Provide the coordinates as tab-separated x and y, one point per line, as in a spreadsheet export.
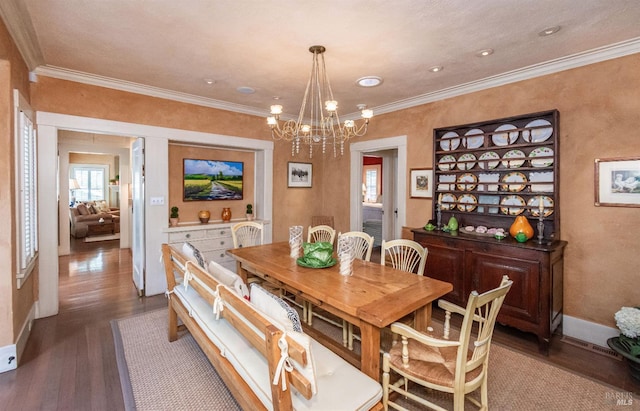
69	361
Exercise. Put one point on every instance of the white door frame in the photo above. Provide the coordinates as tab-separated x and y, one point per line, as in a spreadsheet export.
157	183
355	194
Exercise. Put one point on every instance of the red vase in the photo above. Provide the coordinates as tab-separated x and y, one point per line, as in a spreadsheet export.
226	214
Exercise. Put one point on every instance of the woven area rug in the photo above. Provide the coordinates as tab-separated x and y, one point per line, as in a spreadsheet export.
158	375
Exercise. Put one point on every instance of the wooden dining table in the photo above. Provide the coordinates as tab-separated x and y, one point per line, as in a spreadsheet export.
373	297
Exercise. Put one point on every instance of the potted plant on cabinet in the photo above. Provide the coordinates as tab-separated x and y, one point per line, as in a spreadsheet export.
249	212
628	343
173	218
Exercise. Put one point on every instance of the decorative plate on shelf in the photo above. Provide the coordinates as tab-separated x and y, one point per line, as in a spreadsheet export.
447	201
517	156
504	139
514	177
474	142
543	177
469	178
489	160
547	204
469	201
449	141
466	161
547	157
512	205
539	134
447	162
444	179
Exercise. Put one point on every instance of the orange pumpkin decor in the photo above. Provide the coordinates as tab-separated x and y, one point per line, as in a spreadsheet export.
521	225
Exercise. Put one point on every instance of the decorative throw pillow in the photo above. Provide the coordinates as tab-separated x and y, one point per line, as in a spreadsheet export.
102	207
276	308
82	209
92	209
229	278
193	254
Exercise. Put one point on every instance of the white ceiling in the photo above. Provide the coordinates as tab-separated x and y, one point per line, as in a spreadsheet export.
167	47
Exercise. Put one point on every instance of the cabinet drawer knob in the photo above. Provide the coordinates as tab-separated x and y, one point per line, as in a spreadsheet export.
222	255
221	242
222	232
188	235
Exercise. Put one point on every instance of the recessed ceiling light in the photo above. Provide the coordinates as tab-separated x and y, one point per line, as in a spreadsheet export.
484	53
245	90
369	81
209	81
436	69
549	31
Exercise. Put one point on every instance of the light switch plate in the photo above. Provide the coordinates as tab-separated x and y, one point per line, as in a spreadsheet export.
157	200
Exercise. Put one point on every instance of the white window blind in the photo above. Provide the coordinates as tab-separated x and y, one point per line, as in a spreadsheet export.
26	188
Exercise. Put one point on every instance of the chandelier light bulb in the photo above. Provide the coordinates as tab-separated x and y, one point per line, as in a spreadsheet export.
305	128
276	109
331	105
349	123
367	113
272	121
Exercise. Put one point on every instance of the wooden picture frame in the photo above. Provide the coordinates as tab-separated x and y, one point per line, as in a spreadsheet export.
421	182
617	182
299	174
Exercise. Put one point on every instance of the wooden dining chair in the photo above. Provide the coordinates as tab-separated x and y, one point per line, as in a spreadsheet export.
446	365
363	246
405	255
247	233
321	233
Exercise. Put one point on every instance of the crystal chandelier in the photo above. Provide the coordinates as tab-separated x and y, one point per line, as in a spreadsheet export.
317	126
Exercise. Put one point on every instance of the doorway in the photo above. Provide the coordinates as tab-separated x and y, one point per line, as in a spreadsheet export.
51	188
393	151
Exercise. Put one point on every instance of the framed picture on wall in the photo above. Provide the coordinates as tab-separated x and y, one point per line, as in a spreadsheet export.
212	180
421	183
617	182
299	174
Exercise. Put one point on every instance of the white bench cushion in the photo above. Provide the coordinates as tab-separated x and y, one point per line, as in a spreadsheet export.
340	386
275	308
193	254
229	278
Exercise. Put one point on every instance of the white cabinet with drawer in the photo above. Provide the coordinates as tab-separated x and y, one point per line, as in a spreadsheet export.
213	240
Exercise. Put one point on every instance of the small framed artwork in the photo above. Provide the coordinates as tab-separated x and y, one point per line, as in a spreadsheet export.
421	183
617	182
299	174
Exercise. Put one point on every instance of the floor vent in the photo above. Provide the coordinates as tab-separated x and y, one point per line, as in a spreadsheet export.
606	351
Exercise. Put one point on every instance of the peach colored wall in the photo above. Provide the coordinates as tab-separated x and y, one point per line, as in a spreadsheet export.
16	304
188	211
599	106
596	104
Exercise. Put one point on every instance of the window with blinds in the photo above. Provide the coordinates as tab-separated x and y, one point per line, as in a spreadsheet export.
26	188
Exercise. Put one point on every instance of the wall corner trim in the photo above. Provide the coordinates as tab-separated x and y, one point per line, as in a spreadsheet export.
587	331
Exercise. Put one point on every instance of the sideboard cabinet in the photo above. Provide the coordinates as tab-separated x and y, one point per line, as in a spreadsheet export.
213	240
534	303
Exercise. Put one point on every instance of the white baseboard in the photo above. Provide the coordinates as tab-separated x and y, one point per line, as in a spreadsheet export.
10	354
8	358
587	331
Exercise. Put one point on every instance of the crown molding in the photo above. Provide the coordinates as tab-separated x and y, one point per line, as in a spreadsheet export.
597	55
18	22
122	85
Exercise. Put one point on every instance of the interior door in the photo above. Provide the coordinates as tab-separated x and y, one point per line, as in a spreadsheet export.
390	195
137	191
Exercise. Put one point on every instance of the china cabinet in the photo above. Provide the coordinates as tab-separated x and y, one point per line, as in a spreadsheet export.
486	174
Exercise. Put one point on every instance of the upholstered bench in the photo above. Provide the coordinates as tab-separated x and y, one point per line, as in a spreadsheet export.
257	346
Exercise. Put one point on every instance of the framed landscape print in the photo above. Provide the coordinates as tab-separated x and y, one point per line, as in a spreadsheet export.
617	182
421	183
299	174
205	180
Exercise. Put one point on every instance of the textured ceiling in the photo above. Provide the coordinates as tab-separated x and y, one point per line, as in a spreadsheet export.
263	44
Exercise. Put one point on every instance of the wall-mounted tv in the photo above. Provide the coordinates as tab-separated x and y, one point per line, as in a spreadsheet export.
212	180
